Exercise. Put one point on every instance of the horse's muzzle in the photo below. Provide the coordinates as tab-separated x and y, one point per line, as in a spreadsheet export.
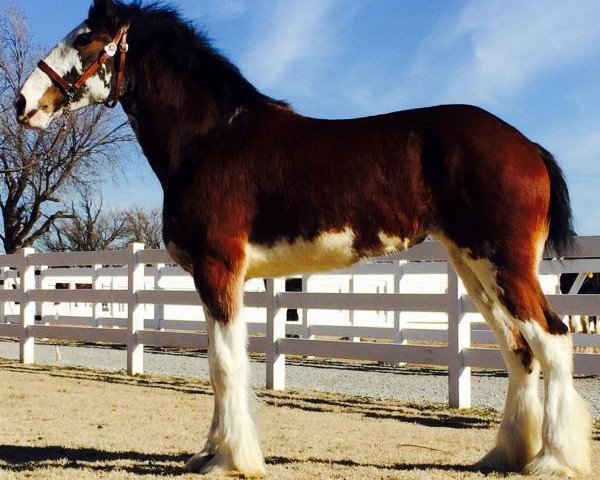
20	104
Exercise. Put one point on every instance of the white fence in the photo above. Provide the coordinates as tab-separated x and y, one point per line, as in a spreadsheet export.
134	312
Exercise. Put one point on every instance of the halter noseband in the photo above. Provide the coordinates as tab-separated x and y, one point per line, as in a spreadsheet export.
119	42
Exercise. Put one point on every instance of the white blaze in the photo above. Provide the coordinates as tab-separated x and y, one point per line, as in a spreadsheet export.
63	58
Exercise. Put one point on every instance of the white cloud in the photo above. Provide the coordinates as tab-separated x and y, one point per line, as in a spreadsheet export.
505	45
496	53
295	32
488	52
225	9
581	150
578	152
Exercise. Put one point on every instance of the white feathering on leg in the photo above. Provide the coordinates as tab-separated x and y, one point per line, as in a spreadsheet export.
233	442
567	429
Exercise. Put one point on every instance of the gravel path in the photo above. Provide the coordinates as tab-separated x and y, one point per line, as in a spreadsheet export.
402	383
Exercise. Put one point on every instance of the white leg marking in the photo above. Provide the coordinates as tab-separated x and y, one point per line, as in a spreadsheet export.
232	443
567	428
519	436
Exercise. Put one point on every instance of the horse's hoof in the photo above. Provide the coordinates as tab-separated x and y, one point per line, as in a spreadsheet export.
496	460
221	465
549	466
205	463
198	462
504	460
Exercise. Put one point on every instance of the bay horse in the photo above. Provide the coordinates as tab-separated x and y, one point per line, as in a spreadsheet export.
254	189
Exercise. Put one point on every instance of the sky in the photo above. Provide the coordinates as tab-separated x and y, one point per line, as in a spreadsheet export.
534	64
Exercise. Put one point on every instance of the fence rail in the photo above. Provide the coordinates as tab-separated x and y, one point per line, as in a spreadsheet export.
455	341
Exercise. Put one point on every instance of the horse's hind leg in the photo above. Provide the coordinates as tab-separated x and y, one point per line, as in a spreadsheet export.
566	431
232	443
572	324
519	438
584	321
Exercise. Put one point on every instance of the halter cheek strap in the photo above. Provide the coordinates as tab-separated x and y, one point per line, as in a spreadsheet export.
123	49
119	43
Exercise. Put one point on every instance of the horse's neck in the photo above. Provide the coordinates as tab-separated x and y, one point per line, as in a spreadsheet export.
176	119
167	130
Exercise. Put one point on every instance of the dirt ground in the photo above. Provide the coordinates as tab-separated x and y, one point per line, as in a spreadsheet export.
67	423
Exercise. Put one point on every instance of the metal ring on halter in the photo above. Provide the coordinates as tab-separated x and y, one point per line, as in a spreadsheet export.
111	49
70	93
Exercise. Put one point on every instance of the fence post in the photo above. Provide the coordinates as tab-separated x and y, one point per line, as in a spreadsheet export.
351	316
96	285
135	310
304	311
398	335
159	308
3	286
27	310
459	338
275	361
39	306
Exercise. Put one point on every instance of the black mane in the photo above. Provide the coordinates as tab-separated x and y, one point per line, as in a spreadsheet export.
159	31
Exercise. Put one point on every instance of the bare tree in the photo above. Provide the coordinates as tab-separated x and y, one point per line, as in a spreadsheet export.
87	228
143	226
37	168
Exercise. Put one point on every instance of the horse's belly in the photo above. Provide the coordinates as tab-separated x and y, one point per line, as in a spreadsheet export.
325	252
328	251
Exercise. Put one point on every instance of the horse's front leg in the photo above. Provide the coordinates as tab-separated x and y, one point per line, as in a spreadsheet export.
232	443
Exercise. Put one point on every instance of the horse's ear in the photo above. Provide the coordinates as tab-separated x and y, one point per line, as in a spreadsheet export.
104	6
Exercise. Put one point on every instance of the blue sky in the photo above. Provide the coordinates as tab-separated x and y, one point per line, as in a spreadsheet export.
534	64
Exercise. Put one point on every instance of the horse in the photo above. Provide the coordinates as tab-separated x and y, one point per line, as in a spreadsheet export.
253	188
589	286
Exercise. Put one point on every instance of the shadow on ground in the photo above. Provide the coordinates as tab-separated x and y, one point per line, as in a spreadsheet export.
30	458
276	460
430	415
21	459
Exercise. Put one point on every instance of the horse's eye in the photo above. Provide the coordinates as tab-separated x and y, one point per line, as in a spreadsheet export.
83	40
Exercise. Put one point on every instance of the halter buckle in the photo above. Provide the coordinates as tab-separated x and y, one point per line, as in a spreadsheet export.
111	49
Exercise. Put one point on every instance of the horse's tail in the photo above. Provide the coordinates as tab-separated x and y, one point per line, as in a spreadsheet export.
560	216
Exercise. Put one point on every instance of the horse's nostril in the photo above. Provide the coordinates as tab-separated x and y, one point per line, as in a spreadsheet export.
20	103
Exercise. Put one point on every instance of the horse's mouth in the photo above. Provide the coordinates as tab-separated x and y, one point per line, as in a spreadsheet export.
36	119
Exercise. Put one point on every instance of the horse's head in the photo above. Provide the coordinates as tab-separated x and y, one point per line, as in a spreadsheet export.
82	69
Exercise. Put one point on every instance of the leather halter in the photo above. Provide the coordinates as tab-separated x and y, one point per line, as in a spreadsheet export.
119	43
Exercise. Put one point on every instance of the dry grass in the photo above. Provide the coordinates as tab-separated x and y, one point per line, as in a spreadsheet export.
65	423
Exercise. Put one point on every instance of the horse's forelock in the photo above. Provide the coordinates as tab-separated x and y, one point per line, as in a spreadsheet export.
112	14
107	14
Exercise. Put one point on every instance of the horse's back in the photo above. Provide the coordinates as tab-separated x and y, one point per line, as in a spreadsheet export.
403	174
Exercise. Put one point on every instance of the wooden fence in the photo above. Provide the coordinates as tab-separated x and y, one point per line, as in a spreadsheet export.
454	347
